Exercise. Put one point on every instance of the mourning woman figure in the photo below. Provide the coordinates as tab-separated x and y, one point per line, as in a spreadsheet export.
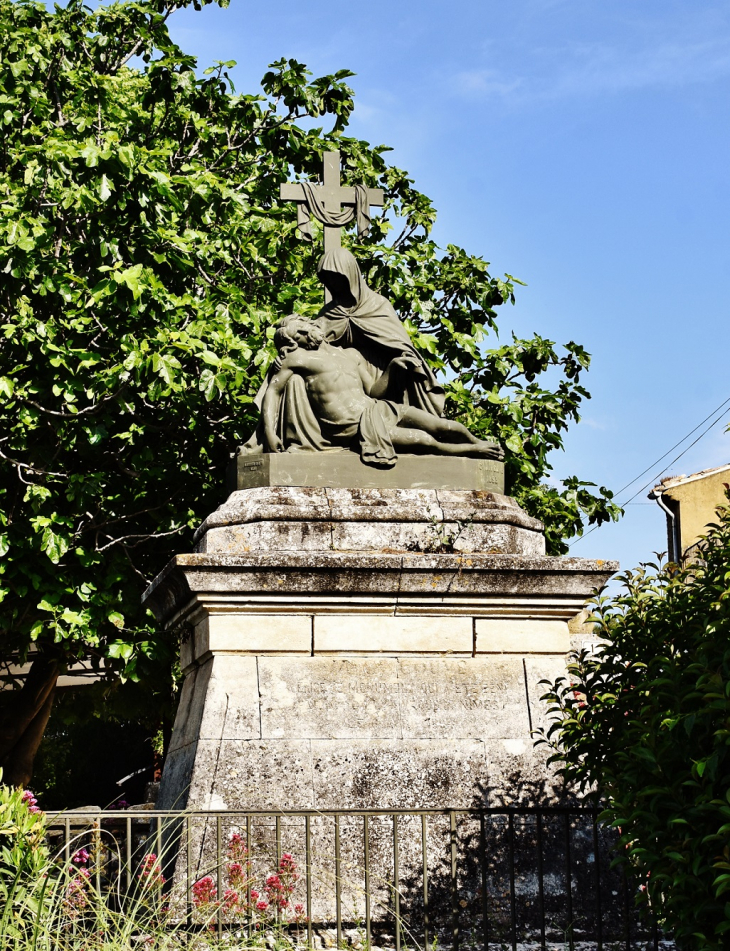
359	317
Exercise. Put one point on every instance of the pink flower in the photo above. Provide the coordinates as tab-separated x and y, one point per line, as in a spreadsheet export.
30	800
262	905
150	872
204	891
288	870
231	900
237	850
254	895
81	857
276	890
76	897
236	874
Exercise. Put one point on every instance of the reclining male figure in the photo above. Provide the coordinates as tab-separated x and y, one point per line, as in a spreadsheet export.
335	382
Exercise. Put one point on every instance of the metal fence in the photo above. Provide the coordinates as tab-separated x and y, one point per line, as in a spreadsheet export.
489	878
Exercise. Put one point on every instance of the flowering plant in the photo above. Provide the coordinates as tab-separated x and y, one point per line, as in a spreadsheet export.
150	872
267	904
76	898
23	852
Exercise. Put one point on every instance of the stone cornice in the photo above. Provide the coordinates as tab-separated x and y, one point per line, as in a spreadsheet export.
477	584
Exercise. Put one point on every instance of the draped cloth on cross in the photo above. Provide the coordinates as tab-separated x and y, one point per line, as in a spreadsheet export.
324	202
313	207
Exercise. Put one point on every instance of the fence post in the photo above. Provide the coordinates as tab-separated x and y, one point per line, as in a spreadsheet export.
424	860
454	881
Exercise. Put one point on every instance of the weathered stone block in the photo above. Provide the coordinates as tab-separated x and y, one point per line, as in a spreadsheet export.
190	708
518	774
179	767
269	536
253	774
381	633
258	633
474	697
397	774
230	708
302	519
521	636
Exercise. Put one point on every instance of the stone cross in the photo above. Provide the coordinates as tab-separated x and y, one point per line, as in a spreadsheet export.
333	195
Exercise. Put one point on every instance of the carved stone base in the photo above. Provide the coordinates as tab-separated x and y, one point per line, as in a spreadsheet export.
287	519
341	651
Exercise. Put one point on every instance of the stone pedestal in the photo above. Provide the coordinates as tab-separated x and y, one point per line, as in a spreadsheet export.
376	647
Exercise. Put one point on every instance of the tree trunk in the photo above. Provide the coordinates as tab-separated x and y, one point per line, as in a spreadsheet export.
24	720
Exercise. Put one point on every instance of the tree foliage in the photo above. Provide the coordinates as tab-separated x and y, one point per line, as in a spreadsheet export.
145	256
645	724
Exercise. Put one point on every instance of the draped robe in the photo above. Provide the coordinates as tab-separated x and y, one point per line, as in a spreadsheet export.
373	328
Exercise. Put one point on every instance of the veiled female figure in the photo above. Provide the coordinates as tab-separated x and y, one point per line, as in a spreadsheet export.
356	317
359	317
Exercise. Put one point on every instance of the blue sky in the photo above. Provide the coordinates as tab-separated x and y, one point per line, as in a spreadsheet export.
580	145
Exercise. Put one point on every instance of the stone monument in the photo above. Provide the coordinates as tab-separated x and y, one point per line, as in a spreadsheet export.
366	618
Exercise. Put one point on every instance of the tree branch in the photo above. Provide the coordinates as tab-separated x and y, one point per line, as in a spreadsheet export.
88	411
140	538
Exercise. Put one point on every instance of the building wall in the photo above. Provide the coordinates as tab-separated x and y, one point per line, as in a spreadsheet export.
698	500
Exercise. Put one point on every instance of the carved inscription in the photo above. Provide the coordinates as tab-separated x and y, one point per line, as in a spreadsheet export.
446	696
320	690
391	699
427	696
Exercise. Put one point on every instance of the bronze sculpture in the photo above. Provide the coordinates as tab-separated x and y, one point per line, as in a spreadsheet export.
352	411
351	379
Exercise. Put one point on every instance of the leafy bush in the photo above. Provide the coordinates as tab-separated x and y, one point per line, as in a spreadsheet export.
23	858
645	725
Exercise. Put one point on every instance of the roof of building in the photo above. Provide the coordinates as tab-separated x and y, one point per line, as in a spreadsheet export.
671	481
13	674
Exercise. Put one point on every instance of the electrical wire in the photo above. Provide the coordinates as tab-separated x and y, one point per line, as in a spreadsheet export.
653	480
677	458
657	461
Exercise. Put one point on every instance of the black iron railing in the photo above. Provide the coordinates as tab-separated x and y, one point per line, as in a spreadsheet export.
488	878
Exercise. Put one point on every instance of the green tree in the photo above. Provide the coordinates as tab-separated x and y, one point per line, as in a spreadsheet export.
144	257
644	725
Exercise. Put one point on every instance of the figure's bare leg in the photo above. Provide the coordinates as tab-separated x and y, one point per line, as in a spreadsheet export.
417	441
445	434
442	429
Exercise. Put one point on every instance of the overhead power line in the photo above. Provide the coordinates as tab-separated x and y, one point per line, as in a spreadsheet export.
677	458
723	409
657	461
